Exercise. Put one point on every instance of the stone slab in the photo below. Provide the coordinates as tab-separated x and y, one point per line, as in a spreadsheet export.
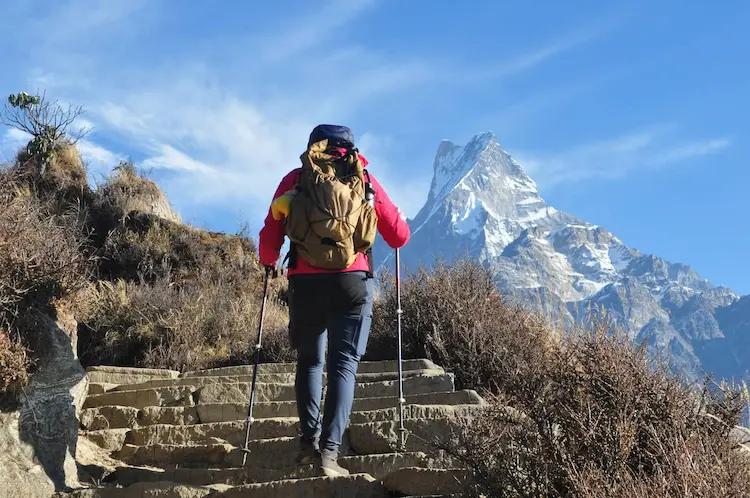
240	392
267	378
221	412
263	368
162	396
108	439
109	417
355	485
127	375
377	466
412	481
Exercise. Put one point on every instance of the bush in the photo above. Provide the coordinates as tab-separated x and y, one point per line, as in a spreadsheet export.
207	323
455	316
41	255
595	416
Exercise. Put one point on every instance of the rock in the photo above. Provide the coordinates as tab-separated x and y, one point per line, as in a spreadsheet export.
107	439
22	475
264	368
176	415
127	375
100	387
51	402
232	432
240	392
109	417
150	490
94	463
162	396
356	485
420	481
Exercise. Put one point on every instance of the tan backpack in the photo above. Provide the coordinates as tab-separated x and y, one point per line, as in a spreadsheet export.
330	220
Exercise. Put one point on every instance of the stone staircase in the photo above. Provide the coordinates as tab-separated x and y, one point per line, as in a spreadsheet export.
179	435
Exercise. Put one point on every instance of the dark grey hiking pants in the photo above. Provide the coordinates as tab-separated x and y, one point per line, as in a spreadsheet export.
335	309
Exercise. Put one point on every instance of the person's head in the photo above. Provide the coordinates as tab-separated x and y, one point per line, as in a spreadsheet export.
337	135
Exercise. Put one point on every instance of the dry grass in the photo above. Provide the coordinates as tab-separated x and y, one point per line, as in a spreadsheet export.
209	322
598	417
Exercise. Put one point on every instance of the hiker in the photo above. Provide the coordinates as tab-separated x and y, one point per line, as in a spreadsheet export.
328	211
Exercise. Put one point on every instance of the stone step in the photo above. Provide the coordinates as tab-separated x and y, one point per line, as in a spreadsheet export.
377	466
127	375
417	481
240	392
187	395
149	489
353	486
364	367
423	434
267	378
221	412
274	454
233	432
113	417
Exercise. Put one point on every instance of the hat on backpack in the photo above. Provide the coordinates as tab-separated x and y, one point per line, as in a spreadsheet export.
336	134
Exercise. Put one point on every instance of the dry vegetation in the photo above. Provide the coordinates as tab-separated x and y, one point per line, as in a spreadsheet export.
598	418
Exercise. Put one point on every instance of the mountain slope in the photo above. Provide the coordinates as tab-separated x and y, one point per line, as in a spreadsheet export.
482	205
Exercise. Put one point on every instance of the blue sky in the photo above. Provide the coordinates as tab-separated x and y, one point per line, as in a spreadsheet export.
633	116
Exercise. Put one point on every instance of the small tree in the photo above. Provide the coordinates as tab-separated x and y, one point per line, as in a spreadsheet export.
48	123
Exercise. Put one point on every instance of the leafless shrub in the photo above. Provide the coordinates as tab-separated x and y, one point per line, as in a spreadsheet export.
41	117
455	316
41	255
599	417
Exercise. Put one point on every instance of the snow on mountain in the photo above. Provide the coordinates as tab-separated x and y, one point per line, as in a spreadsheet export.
482	205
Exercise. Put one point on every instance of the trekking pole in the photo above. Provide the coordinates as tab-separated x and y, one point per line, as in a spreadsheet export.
401	398
256	359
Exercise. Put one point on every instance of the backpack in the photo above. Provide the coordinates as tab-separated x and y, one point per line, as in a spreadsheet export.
330	219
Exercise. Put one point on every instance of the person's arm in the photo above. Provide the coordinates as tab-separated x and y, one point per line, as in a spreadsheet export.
271	237
391	222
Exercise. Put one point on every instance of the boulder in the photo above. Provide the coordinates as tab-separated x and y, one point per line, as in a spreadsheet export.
47	423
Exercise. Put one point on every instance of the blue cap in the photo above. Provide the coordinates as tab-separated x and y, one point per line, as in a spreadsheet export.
336	134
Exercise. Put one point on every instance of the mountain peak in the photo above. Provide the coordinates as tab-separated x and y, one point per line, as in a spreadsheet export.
482	205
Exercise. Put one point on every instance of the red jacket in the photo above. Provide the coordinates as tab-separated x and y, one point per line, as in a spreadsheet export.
391	225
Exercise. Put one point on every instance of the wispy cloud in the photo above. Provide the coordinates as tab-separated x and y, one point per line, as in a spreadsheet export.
647	148
535	56
310	30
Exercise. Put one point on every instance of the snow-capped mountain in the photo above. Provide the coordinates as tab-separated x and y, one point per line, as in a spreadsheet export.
482	205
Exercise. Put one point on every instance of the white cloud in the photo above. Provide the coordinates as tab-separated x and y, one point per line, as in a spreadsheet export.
99	160
168	157
647	148
11	142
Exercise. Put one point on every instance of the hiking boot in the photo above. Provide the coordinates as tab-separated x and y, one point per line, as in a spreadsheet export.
308	452
329	466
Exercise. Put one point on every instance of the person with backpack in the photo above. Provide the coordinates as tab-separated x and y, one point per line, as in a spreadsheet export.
330	208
